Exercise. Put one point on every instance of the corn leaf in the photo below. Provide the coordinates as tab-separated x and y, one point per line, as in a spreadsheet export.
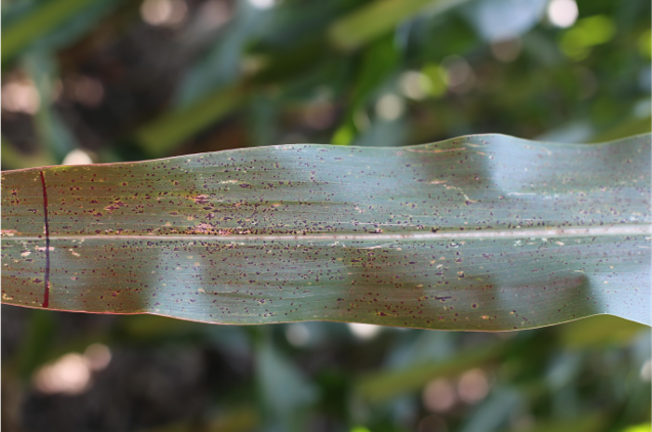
483	232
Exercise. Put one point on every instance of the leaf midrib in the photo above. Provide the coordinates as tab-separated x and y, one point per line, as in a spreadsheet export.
489	234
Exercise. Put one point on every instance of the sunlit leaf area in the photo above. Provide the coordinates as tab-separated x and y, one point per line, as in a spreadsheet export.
109	81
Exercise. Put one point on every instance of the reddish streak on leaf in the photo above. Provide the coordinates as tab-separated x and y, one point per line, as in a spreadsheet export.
46	293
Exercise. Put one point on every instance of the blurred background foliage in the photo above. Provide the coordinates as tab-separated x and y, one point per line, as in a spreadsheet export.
115	80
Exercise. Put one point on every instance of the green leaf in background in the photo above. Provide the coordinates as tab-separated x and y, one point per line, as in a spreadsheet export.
587	423
375	19
497	20
54	135
160	136
282	388
49	24
38	22
483	232
380	387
